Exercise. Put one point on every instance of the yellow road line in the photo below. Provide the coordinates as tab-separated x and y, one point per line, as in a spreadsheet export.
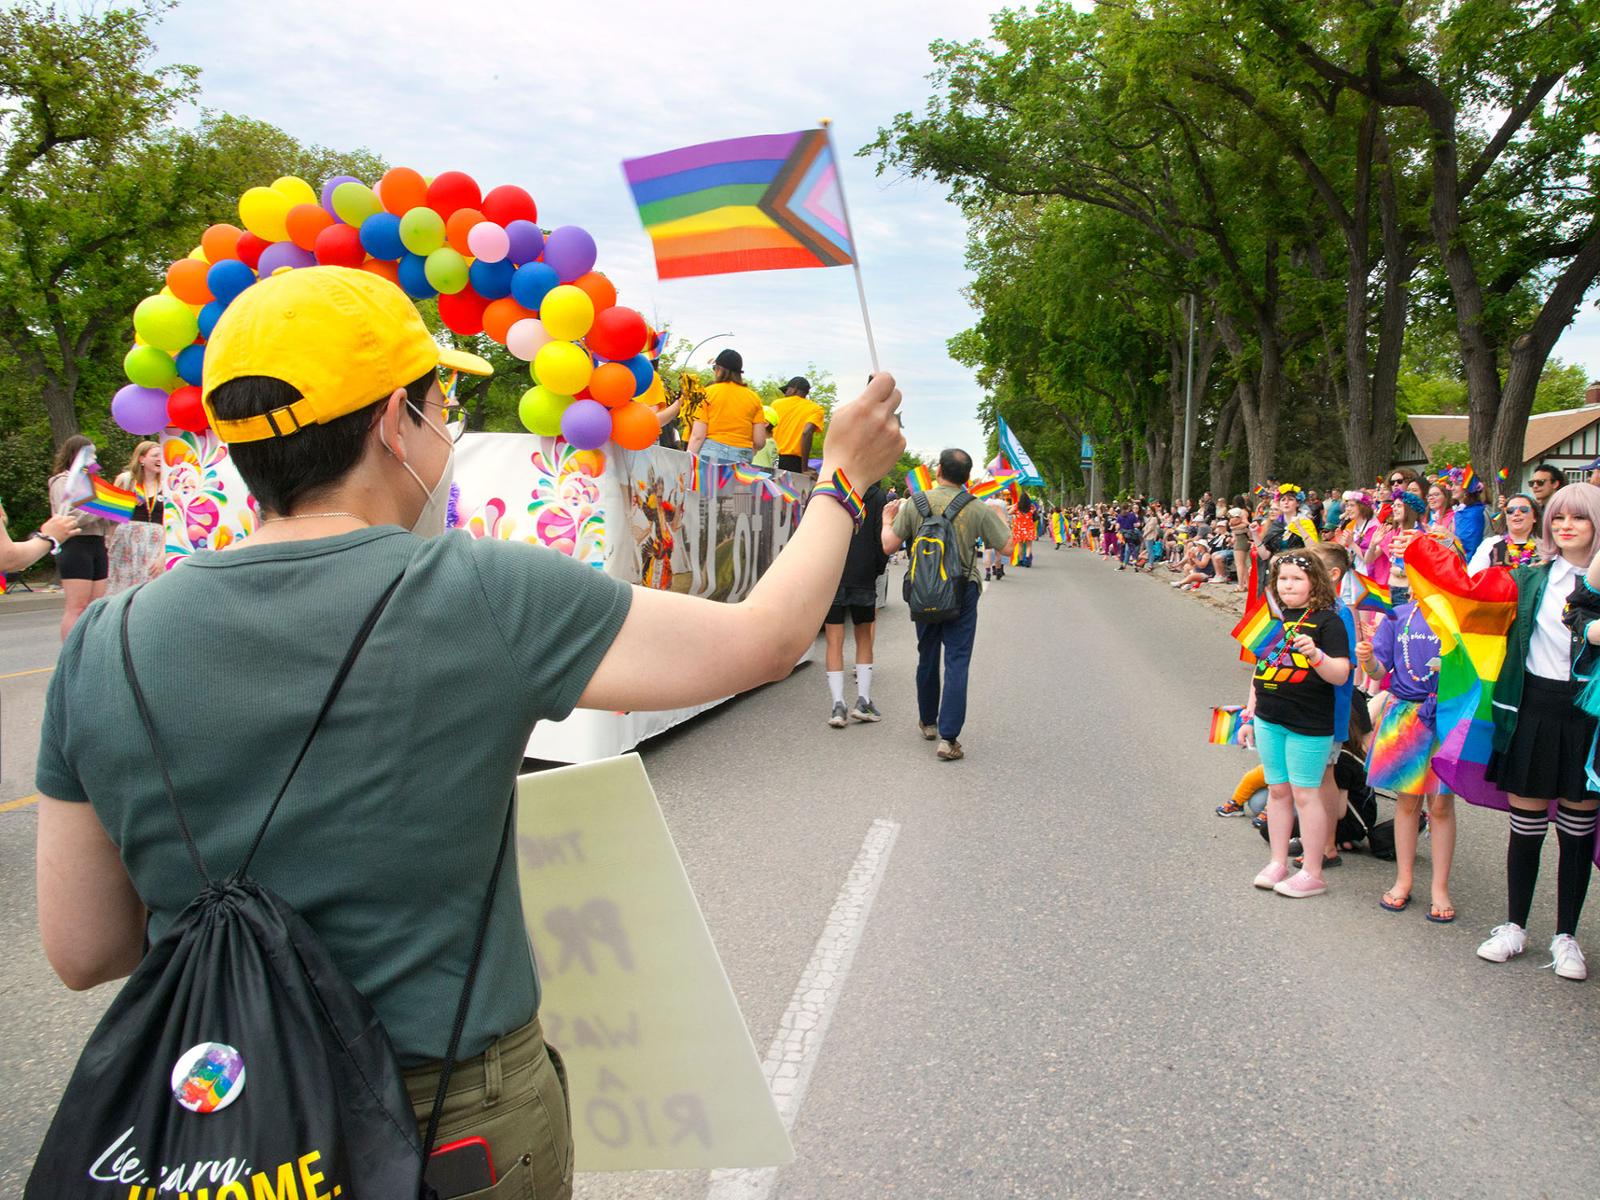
9	805
35	671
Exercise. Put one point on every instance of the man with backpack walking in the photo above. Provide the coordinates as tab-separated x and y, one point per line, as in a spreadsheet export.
942	527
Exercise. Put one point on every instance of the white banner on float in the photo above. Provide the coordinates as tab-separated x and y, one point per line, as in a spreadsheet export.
661	1068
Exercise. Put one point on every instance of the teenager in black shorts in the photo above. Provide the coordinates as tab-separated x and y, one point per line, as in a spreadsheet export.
857	596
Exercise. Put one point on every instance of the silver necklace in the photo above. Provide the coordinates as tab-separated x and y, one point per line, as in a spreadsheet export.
310	516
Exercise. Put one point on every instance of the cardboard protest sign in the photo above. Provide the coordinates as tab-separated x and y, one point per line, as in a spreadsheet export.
661	1066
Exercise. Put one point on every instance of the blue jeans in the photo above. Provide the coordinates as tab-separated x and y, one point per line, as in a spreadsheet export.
721	452
1130	552
955	637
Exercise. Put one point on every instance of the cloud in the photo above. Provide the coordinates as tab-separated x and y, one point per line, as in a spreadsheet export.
555	105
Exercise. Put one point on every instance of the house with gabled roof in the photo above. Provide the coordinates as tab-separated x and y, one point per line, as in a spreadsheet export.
1569	439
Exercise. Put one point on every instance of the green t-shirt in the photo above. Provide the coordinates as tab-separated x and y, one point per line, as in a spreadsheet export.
976	520
385	841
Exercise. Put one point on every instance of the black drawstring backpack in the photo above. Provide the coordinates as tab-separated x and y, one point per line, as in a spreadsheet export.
238	1062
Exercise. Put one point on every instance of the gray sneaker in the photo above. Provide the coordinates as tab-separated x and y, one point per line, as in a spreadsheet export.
950	750
930	733
837	720
865	710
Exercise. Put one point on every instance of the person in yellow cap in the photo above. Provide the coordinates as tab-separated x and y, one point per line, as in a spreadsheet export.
799	421
326	386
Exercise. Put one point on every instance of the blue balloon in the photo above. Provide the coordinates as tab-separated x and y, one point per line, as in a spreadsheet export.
492	281
414	277
228	278
209	314
531	282
190	360
380	236
643	372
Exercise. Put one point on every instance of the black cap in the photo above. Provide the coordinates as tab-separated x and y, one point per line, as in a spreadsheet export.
730	360
799	385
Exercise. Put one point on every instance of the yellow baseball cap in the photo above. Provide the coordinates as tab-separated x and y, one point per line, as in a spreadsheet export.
341	337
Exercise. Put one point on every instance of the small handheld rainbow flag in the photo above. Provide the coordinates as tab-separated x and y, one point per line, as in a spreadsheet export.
1226	724
989	487
755	477
1258	631
108	501
1375	597
1504	473
919	479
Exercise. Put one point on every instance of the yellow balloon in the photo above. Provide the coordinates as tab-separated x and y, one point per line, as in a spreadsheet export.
297	190
198	255
562	367
264	211
566	313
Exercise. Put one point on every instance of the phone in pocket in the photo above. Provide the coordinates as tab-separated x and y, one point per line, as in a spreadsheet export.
460	1168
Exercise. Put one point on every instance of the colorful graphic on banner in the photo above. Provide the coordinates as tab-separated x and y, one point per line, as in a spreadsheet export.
208	506
662	1070
520	488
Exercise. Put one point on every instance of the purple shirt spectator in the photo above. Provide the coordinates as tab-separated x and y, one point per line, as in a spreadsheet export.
1409	651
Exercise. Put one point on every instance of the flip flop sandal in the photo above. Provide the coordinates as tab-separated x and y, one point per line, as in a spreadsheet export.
1383	902
1436	914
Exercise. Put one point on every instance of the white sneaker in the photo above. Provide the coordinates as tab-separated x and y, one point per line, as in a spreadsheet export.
1505	942
1567	958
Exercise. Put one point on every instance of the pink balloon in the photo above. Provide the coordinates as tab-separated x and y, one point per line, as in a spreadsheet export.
488	242
525	338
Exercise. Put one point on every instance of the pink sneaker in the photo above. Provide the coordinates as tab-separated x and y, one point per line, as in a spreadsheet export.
1303	884
1271	876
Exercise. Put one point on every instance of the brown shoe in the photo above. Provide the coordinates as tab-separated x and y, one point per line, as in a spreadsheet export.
950	751
930	733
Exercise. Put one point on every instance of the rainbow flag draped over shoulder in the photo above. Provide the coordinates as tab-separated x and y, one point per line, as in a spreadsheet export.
765	203
1258	631
1372	595
1470	615
1226	722
109	501
919	479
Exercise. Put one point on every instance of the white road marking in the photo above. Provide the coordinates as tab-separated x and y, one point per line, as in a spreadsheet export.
798	1044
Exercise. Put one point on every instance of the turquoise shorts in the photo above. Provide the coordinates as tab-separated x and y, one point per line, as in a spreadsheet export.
1297	759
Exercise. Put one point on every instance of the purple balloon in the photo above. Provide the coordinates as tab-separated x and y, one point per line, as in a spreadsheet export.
140	410
284	254
570	250
586	424
327	194
525	242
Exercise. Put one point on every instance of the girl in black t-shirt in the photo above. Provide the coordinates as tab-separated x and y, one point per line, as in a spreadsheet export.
1292	703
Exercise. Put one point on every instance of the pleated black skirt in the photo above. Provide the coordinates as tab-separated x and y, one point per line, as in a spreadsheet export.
1549	753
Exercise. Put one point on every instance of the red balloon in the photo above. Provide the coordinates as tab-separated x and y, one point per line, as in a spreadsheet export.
634	426
612	384
185	411
451	190
462	312
617	333
339	246
508	203
250	249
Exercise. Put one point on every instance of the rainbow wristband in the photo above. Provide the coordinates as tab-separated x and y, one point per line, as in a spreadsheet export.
839	490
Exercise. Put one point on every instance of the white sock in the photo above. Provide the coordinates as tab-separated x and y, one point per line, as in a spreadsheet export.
864	681
836	686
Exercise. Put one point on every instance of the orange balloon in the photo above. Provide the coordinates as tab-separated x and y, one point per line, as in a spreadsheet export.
304	222
598	288
501	315
389	270
459	224
221	241
634	426
402	189
612	384
187	279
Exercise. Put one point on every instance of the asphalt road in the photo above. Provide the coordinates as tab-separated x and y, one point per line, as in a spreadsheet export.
1067	985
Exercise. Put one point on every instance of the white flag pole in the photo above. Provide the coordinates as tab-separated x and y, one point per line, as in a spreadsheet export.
855	251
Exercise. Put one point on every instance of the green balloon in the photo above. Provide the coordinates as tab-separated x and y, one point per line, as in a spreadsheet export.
446	270
422	230
540	410
149	367
354	202
166	323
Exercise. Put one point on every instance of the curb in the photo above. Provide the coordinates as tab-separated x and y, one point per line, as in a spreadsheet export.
31	602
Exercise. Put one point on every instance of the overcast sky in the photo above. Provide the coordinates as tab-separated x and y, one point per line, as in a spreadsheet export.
553	99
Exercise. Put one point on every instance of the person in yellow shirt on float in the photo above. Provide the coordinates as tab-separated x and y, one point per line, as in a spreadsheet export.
731	427
800	419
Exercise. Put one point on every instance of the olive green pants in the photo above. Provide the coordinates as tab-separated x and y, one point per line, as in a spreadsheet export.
513	1096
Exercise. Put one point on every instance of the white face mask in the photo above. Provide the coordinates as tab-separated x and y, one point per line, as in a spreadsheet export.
430	521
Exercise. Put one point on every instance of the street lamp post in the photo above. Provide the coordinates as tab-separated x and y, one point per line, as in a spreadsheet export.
690	356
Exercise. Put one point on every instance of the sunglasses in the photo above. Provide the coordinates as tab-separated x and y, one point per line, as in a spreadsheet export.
1519	508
